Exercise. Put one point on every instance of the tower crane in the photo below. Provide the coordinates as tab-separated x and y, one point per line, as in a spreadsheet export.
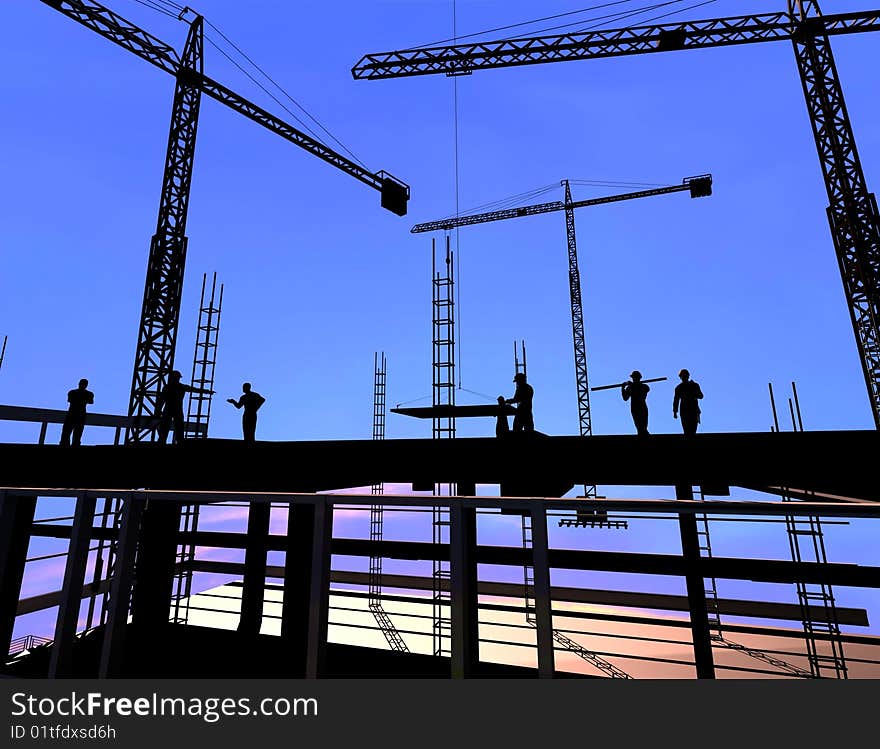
852	212
700	186
157	335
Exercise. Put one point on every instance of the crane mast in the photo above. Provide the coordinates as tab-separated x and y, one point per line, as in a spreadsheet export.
160	313
585	423
852	211
852	208
154	357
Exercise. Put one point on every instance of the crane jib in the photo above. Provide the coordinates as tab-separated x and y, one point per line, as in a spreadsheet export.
460	59
113	27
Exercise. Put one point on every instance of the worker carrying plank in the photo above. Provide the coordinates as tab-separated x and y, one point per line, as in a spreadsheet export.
687	395
636	392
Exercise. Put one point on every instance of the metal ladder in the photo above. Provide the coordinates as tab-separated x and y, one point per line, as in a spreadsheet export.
713	613
443	393
198	412
814	598
818	608
377	513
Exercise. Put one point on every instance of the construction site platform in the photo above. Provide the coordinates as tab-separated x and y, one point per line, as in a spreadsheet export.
835	464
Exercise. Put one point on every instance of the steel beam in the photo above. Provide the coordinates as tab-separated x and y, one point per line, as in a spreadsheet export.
543	605
254	578
297	577
696	590
319	591
464	603
16	518
836	462
61	659
113	646
156	558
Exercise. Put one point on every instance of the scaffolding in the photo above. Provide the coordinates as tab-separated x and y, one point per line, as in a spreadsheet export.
377	513
198	414
443	427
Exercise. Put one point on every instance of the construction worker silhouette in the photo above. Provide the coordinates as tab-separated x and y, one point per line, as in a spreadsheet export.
636	392
687	395
501	427
171	407
75	419
251	402
523	421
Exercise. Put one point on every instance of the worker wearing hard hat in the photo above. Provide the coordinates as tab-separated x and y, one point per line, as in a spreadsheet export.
686	401
636	392
523	421
171	407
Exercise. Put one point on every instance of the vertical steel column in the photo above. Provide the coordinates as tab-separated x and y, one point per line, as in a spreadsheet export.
541	579
319	590
253	588
696	592
157	337
113	647
16	518
157	551
61	658
297	578
465	635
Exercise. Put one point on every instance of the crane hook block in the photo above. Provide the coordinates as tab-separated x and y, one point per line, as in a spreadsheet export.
700	187
395	194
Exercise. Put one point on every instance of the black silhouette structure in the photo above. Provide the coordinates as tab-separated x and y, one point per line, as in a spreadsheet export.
250	401
75	420
686	401
524	420
130	648
171	408
852	212
636	392
502	428
165	270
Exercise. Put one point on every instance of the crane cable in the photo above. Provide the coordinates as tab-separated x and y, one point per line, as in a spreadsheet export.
522	23
457	191
601	19
178	11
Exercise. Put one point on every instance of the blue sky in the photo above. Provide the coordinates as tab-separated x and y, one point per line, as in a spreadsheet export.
742	288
